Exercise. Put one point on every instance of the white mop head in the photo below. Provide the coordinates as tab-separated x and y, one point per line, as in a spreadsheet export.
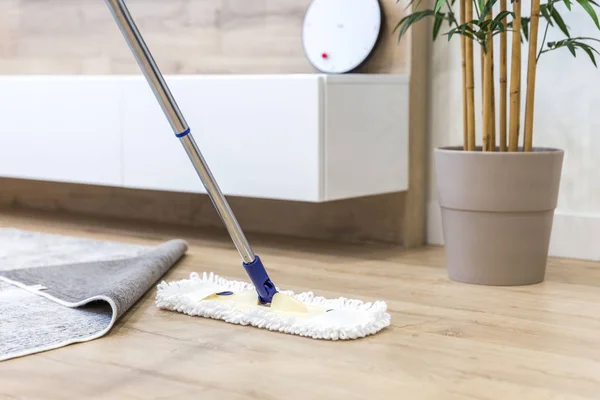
303	314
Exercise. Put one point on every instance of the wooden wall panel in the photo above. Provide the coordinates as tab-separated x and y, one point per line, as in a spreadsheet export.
415	221
185	36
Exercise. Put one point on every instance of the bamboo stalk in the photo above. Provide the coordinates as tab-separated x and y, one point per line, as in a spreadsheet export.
493	101
464	76
470	89
487	92
482	54
515	79
482	66
503	73
531	70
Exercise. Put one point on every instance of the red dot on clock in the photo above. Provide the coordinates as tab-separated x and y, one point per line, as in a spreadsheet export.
324	55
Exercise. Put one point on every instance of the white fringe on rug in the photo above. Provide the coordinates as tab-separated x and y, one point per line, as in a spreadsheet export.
348	319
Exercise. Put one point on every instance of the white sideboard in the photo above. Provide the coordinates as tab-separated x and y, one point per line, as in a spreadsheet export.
298	137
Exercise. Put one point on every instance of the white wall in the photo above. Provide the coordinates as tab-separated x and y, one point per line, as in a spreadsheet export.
566	116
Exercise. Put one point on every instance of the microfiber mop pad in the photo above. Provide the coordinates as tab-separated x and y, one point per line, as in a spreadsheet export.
304	314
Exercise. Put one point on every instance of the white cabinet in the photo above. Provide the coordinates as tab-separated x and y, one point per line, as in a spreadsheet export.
260	137
60	129
365	136
299	137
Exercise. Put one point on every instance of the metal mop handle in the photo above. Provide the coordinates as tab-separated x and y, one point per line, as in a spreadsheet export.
251	262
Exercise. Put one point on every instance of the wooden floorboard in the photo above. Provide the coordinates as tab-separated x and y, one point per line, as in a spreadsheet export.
447	340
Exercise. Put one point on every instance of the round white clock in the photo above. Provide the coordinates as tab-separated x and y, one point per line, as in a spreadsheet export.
339	35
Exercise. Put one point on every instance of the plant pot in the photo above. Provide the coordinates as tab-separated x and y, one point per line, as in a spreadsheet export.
497	213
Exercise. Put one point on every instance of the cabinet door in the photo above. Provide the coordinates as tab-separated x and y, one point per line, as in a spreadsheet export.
60	128
260	135
366	140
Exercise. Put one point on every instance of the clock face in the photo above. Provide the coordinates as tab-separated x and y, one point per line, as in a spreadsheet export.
339	35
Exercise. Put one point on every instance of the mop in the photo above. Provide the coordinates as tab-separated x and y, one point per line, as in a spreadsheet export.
260	303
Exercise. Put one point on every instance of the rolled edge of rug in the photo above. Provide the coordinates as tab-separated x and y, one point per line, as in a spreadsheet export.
120	283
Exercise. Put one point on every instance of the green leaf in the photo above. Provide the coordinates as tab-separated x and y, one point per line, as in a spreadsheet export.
405	27
407	21
439	19
525	27
463	29
402	20
581	44
451	18
489	5
474	22
451	33
410	4
438	5
481	7
587	7
568	4
496	33
501	15
485	25
467	35
586	38
560	22
498	26
589	52
571	44
546	13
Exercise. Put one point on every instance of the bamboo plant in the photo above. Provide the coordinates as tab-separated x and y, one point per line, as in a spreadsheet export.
477	25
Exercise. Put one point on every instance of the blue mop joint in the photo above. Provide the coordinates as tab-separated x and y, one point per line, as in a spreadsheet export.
261	281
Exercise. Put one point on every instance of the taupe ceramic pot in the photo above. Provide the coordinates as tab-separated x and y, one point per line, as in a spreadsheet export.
497	212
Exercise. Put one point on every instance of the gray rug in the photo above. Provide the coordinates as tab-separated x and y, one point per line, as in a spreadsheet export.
57	290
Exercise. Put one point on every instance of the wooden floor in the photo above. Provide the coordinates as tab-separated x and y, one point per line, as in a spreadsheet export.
447	340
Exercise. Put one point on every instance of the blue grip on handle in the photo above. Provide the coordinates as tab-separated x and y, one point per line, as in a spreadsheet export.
261	281
182	134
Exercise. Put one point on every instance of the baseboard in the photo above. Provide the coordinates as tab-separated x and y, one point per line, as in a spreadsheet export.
376	219
573	236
